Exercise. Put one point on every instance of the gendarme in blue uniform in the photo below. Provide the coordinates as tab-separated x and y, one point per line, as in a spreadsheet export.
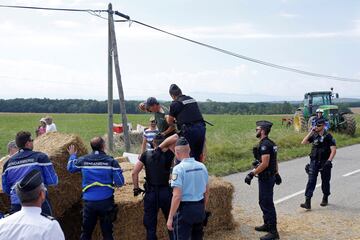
21	164
191	123
100	174
191	177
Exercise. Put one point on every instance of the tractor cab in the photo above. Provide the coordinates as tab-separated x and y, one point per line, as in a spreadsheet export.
315	100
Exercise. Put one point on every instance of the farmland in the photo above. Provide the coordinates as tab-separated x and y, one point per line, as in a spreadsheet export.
229	142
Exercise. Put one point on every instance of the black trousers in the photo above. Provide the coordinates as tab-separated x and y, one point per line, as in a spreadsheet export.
94	210
266	199
156	198
195	134
315	167
188	221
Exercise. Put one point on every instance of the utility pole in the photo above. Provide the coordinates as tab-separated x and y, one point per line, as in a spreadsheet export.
110	85
119	83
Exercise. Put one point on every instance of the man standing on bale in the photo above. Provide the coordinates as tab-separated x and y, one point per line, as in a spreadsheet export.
322	153
29	222
268	175
189	120
22	163
190	195
11	149
152	105
158	192
100	175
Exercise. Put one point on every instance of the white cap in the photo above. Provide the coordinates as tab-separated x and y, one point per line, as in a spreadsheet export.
319	110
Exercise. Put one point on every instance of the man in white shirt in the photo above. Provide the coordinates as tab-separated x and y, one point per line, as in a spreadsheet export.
29	222
50	126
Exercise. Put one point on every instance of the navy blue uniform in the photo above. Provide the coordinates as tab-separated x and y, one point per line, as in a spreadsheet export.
158	192
267	181
191	123
21	164
320	153
100	175
192	178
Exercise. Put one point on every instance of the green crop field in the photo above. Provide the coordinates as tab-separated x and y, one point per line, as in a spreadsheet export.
229	142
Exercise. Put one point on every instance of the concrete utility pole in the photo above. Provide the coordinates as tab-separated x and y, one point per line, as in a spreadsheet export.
119	83
110	86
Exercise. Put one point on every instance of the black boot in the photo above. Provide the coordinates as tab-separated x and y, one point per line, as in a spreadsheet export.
263	228
307	204
324	201
272	235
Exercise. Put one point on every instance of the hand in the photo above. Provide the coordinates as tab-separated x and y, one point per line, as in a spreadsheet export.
169	224
72	149
328	164
307	168
138	191
278	180
249	177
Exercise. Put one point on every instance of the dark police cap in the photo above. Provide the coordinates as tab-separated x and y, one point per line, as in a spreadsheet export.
264	124
174	87
151	101
182	142
320	121
31	181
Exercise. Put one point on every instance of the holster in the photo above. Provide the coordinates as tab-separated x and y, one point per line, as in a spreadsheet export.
265	175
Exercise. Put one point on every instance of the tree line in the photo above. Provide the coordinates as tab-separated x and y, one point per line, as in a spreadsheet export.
36	105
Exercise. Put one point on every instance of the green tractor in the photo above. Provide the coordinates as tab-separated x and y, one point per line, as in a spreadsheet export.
339	121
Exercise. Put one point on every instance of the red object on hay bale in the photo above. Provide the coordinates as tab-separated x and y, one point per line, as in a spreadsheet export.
118	128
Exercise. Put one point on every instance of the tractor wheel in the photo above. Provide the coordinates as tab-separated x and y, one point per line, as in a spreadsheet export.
350	124
299	121
309	126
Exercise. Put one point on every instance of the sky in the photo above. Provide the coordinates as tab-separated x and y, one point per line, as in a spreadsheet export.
63	55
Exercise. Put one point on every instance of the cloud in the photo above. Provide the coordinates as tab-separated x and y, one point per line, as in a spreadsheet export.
288	15
66	24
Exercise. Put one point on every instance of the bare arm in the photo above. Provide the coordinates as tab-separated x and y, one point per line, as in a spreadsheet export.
333	152
143	146
263	165
135	173
170	129
169	143
306	138
170	120
175	203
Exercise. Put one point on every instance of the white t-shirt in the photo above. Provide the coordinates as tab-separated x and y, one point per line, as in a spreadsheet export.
28	223
51	128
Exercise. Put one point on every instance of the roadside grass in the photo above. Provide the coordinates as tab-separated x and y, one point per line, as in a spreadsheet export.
229	142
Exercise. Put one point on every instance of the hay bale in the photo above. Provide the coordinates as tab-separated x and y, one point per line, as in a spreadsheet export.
129	224
122	159
68	191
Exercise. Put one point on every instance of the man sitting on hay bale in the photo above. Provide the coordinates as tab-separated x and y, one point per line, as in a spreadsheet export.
22	163
100	174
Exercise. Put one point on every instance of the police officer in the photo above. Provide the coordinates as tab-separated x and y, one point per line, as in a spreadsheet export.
190	195
158	192
22	163
160	112
320	115
189	120
29	222
268	175
100	175
322	153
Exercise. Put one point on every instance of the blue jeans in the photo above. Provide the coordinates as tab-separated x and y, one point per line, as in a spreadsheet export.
45	207
156	198
315	168
94	210
188	221
266	199
195	134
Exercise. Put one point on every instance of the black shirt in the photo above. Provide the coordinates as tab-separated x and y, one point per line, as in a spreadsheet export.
186	111
266	146
321	146
157	166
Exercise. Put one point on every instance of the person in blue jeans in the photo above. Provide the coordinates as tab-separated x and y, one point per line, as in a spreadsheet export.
101	173
20	164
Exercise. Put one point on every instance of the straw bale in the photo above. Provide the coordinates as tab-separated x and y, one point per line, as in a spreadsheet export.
2	162
122	159
68	191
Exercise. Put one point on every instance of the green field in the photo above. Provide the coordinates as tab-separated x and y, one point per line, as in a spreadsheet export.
229	142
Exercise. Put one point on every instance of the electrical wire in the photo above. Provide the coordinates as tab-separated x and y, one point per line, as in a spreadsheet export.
269	64
52	9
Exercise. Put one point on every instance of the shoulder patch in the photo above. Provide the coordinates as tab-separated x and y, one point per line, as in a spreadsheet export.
174	176
47	216
263	147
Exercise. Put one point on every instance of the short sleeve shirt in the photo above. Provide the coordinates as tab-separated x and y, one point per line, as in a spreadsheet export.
192	177
321	146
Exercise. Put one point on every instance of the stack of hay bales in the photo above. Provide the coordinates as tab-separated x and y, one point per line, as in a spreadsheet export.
129	223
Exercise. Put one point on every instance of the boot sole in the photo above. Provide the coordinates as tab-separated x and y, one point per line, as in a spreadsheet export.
305	207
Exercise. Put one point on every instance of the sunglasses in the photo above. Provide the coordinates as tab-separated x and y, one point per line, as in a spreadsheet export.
152	121
257	129
31	140
319	125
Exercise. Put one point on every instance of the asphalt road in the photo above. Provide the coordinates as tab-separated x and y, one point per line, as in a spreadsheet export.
344	201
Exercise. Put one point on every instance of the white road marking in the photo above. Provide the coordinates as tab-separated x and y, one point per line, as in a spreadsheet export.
293	195
351	173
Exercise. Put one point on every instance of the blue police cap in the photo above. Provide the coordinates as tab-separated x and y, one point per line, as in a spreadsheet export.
31	181
181	142
264	124
320	121
151	101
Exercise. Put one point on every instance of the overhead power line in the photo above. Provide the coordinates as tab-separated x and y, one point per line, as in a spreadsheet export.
52	9
269	64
